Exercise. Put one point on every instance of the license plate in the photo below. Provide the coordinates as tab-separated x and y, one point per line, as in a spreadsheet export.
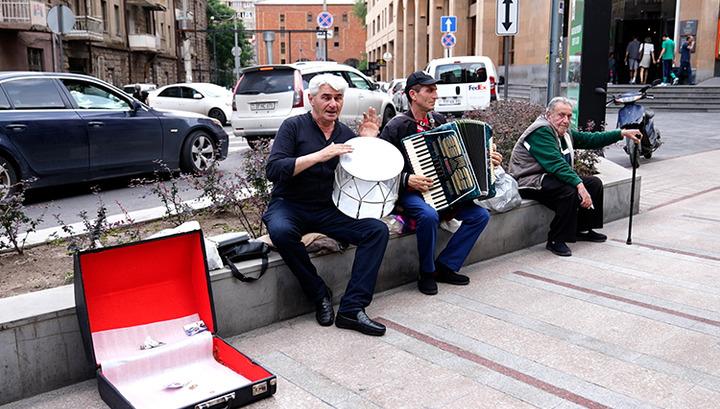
262	106
450	101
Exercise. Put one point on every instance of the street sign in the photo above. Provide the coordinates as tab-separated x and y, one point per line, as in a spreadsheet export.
387	56
236	51
506	23
448	24
60	19
324	19
448	40
321	34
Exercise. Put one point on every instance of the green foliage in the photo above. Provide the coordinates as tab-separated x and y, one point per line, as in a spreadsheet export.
360	11
221	40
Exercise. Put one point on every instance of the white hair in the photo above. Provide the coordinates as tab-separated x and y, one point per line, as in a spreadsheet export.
335	82
556	101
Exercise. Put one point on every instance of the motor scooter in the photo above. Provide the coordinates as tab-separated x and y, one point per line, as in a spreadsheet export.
634	116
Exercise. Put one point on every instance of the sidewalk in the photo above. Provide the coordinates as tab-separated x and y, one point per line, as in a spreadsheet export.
612	326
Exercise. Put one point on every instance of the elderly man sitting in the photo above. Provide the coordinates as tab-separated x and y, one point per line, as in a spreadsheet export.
542	163
301	166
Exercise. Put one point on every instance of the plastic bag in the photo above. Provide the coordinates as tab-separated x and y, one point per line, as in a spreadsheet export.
507	196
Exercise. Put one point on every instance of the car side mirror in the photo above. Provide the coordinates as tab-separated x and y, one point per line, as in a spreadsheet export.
197	96
501	80
375	86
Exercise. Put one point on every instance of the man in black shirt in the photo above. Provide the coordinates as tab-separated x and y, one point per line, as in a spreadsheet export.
302	166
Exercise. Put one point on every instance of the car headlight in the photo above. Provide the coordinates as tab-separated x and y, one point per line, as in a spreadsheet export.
217	122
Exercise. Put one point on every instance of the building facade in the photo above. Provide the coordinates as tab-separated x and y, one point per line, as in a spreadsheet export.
119	41
245	10
410	31
347	43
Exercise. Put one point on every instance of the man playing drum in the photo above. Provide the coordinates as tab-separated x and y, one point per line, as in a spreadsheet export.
421	93
301	166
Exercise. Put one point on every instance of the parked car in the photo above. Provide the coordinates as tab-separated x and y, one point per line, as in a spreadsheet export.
199	97
397	92
267	94
466	83
59	128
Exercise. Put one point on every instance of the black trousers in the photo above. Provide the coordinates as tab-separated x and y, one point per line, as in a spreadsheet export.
287	221
562	198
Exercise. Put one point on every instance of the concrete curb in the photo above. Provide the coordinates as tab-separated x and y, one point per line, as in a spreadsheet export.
40	346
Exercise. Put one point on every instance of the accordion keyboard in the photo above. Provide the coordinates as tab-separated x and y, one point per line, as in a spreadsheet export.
422	162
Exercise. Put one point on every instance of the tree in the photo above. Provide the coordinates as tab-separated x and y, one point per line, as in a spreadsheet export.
360	11
221	39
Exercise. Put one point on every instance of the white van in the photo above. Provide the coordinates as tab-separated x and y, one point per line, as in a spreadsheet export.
466	83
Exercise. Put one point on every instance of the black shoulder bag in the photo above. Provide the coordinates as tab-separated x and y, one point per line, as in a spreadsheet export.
242	251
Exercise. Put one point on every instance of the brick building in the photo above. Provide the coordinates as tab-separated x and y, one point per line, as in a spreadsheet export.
349	35
119	41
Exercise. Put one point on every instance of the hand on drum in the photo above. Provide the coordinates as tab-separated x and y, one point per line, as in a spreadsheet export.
420	183
370	125
333	150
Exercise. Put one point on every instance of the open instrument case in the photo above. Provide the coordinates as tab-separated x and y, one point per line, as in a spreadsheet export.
148	323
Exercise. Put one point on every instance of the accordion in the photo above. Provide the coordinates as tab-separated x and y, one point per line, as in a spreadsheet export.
456	156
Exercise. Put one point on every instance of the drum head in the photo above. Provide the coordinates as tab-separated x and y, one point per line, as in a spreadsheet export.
372	159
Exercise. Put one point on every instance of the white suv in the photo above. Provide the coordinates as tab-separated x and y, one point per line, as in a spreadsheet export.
267	94
466	83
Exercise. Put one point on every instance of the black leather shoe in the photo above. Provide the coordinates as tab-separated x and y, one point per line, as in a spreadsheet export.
360	322
445	275
559	248
427	284
590	235
324	313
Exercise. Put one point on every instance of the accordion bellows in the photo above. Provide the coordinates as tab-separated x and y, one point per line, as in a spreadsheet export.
456	155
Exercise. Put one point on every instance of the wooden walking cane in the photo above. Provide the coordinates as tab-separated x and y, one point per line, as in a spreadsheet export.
635	165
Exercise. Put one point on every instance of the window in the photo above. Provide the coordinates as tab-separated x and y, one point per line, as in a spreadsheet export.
35	59
4	103
357	81
461	73
91	96
282	48
35	93
336	33
309	17
171	92
307	77
103	8
149	21
118	29
268	82
282	61
345	18
282	31
390	13
282	18
189	93
336	44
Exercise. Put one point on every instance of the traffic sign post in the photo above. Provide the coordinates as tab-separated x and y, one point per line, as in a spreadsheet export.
325	21
448	24
448	41
60	20
506	25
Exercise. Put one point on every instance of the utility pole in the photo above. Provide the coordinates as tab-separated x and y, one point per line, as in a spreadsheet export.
553	88
187	57
236	49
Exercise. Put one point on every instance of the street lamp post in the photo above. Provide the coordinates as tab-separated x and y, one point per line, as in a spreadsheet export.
236	50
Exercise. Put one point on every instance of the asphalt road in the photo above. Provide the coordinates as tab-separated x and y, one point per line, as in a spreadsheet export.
682	133
69	201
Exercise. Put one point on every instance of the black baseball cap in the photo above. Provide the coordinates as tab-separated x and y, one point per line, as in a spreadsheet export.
419	77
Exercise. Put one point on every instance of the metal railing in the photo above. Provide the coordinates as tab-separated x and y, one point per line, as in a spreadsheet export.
86	28
14	11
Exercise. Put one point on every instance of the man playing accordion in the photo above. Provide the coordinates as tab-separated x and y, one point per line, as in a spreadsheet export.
421	93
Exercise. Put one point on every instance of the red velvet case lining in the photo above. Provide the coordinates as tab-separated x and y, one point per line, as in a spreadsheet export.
230	357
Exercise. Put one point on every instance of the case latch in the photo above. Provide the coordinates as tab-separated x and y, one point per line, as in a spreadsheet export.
259	388
212	402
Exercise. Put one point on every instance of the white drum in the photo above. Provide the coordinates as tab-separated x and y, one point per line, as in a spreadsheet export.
367	179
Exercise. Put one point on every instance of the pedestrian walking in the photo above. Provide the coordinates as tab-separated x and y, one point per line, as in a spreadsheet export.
632	58
647	53
667	57
612	69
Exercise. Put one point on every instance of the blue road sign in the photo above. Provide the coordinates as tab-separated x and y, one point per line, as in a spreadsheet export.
448	40
448	24
324	19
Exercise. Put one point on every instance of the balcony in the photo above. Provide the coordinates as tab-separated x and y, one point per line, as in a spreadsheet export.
86	28
158	5
15	14
144	42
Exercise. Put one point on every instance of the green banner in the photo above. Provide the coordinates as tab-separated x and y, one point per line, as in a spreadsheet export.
574	56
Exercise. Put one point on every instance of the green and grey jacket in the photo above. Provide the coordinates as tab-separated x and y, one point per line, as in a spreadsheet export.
540	151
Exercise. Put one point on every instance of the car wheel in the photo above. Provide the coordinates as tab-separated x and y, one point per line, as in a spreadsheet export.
388	114
8	178
198	152
218	114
